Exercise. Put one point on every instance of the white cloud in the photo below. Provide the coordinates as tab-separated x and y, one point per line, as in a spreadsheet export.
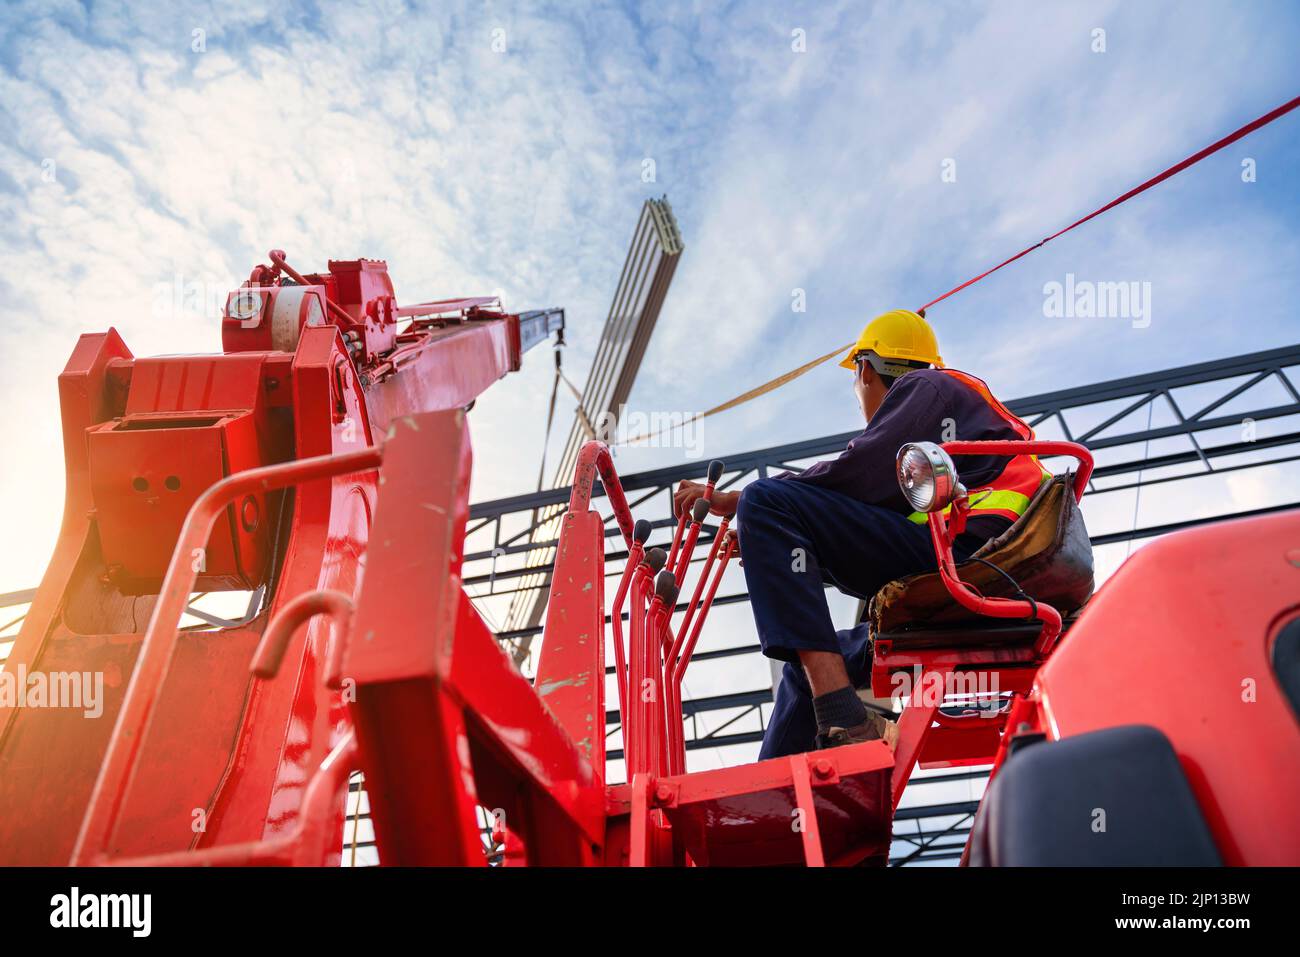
398	133
470	171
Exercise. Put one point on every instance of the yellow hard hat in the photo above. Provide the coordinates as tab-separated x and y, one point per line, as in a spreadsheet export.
898	334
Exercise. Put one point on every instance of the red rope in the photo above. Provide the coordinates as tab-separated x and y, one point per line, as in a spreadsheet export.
1173	170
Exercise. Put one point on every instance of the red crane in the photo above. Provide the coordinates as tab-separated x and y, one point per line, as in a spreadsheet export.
322	464
254	470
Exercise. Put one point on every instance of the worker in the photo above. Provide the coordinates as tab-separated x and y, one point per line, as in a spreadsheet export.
845	522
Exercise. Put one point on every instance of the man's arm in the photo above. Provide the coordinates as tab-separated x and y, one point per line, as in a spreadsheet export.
913	411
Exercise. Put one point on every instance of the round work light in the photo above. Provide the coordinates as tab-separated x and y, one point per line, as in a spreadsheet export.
927	477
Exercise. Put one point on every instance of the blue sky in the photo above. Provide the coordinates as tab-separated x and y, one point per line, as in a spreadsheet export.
146	145
397	131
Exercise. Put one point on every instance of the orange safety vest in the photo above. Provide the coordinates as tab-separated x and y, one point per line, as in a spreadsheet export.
1010	492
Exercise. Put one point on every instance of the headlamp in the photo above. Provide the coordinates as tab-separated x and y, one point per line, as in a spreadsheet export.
927	477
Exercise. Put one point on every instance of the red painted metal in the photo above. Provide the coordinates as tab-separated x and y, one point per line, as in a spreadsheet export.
325	440
595	460
444	721
635	733
275	640
634	556
1186	626
652	709
196	759
677	538
694	603
148	465
189	792
312	841
805	822
572	664
1001	668
679	556
914	726
686	552
679	656
144	689
941	537
746	815
828	809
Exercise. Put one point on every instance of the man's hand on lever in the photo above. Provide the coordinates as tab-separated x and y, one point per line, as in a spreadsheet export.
723	503
733	539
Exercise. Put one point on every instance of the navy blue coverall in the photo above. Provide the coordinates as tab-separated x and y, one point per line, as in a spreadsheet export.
844	522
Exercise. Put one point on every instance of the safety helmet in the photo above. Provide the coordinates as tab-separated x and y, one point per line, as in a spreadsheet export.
895	342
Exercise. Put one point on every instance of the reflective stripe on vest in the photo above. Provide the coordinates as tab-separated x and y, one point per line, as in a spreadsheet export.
1011	491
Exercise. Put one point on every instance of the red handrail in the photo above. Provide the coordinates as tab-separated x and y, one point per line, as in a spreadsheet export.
1033	447
156	650
275	640
594	459
940	536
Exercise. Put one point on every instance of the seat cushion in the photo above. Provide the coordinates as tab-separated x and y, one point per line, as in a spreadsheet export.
1116	797
1046	550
